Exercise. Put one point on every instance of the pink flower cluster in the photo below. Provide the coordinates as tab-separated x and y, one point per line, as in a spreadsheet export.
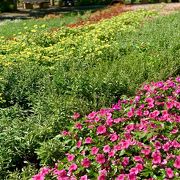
135	139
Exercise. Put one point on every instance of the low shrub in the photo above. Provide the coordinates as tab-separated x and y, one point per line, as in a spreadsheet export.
135	138
7	5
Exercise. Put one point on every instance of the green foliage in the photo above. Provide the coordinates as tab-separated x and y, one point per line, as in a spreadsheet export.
26	173
16	27
7	5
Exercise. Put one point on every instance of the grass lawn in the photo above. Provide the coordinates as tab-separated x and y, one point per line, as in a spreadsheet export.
12	28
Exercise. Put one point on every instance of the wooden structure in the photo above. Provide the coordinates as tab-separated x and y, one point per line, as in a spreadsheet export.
28	4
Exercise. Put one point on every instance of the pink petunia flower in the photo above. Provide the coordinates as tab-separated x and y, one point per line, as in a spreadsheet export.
70	157
174	131
86	162
106	148
113	137
94	150
125	161
73	167
103	174
88	140
138	159
92	115
157	145
101	130
121	177
132	176
156	157
78	126
178	79
169	104
129	127
150	105
175	144
177	162
149	100
65	133
45	170
166	146
130	113
109	121
60	173
76	116
38	177
127	135
139	167
79	143
169	173
100	158
84	177
111	153
139	112
125	144
154	114
159	84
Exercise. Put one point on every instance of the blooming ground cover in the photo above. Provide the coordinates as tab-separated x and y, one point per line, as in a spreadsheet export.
137	138
63	45
97	16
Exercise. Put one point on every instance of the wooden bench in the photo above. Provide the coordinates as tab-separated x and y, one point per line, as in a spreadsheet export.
28	4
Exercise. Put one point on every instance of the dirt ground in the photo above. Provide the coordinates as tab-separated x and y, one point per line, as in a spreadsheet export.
39	13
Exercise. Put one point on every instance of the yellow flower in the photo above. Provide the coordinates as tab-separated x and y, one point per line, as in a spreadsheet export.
33	30
43	26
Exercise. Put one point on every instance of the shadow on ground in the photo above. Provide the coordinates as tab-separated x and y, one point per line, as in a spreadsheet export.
39	13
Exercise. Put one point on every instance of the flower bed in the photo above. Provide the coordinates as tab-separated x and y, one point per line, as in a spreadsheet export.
100	15
137	138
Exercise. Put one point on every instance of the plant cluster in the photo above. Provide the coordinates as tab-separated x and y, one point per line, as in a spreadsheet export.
63	45
107	13
135	138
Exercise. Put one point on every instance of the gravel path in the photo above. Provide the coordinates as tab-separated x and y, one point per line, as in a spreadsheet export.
162	7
